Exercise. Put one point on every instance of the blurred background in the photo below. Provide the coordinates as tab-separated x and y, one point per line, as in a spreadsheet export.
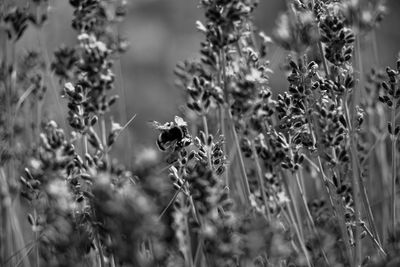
162	33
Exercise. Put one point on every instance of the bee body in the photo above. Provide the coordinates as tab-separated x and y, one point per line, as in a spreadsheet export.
174	133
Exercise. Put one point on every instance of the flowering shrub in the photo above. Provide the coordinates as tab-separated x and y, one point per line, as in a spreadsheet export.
255	178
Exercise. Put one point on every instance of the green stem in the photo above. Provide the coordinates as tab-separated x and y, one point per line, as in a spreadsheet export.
260	180
336	204
222	108
223	132
172	200
208	147
240	156
357	204
189	249
304	200
294	223
355	181
104	139
394	169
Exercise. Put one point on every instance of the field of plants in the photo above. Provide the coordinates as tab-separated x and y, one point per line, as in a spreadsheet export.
245	174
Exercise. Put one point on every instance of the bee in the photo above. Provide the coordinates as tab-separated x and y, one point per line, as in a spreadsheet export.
172	133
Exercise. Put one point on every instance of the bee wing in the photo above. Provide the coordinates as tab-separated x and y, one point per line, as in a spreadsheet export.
179	121
158	125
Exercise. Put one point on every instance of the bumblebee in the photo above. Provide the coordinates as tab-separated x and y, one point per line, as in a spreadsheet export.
172	134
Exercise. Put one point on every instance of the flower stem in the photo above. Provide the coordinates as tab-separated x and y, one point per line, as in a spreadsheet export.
260	180
394	169
205	125
241	161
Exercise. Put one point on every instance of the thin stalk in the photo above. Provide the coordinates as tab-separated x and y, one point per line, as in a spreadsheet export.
10	124
245	181
374	240
24	257
385	168
343	229
97	240
38	120
197	256
304	199
367	207
223	132
325	64
85	145
355	183
189	250
172	200
104	139
3	181
222	109
301	240
29	245
394	169
380	137
37	240
336	204
260	180
241	161
357	205
37	252
354	158
296	226
293	201
337	207
205	125
324	179
123	108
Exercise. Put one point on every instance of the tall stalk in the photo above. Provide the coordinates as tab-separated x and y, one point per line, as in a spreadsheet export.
261	181
231	125
394	168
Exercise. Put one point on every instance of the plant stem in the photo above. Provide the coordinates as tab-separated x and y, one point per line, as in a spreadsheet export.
303	198
223	132
222	108
355	181
104	139
394	169
294	223
357	204
189	250
336	204
311	220
367	207
260	180
241	161
172	200
205	125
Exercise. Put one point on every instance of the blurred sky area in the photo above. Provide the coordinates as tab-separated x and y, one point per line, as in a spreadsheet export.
162	33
